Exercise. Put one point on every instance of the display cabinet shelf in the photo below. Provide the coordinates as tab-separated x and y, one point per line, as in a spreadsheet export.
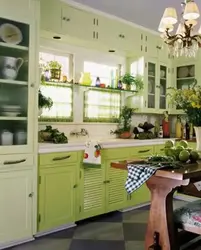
13	46
10	118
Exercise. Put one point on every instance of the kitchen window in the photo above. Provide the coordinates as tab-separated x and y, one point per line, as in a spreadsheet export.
62	97
101	106
60	93
106	73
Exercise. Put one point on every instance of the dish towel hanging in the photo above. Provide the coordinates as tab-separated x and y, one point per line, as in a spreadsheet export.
92	154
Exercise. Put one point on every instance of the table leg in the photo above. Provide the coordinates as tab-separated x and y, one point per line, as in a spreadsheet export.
161	212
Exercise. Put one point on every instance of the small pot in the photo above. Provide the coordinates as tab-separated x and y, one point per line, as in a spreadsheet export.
125	135
128	87
55	74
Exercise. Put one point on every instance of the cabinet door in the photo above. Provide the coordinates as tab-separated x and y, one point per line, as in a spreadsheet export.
50	15
19	10
150	45
56	197
151	72
77	23
92	192
140	196
161	90
16	206
17	96
116	197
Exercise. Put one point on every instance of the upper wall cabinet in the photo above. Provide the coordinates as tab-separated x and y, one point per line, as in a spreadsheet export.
13	9
50	15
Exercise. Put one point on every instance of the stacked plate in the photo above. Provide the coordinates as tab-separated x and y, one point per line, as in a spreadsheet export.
10	110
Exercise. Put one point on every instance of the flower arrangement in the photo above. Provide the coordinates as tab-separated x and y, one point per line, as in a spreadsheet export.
189	100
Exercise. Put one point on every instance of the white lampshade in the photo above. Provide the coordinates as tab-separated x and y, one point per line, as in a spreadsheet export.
191	11
169	16
163	27
191	22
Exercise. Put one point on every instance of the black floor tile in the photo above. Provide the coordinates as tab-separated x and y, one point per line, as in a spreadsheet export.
134	231
110	217
96	245
64	234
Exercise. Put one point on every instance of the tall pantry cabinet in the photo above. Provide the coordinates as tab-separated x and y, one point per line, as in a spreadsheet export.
19	36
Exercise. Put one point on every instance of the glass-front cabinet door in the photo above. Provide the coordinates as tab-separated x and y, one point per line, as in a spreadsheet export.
163	84
15	106
152	76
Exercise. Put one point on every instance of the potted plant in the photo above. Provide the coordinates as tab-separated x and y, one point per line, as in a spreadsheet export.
189	100
130	80
43	102
55	70
124	126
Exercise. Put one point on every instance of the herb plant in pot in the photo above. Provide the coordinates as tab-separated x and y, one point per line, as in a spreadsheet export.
43	102
55	70
124	126
130	80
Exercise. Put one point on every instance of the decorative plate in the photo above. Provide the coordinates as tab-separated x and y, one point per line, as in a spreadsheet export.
10	33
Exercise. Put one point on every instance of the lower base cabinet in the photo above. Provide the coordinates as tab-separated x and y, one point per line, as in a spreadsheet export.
15	206
57	187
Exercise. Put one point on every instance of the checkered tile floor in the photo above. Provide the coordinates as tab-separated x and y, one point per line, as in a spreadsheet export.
119	231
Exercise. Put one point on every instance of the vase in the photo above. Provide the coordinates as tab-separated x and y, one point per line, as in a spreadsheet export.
125	135
40	111
198	137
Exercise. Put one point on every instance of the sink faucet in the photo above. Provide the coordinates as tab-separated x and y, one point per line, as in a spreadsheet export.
84	132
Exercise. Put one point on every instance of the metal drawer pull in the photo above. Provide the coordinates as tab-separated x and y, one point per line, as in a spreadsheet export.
144	151
61	158
13	162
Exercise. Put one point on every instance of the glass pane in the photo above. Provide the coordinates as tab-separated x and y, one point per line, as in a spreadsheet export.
100	104
151	84
14	75
62	100
106	73
151	101
163	86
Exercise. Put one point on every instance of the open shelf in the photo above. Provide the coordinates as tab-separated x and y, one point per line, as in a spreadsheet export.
10	118
13	46
8	81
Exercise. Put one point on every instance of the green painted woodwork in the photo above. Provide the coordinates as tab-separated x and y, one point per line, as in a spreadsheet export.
141	152
92	192
56	197
138	197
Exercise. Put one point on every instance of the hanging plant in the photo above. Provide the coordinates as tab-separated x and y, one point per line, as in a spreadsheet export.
130	80
43	101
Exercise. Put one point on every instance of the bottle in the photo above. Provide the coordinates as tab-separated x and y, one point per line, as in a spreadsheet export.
160	134
191	131
187	131
184	131
178	128
98	82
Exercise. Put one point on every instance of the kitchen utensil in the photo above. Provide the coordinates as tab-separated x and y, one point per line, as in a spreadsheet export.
10	33
6	138
10	114
162	74
10	66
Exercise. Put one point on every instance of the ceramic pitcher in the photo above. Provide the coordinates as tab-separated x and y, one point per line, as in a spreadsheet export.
10	67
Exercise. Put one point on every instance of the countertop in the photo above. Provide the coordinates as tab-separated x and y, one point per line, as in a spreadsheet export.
79	144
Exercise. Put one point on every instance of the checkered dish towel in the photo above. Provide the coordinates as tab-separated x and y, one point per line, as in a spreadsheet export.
137	176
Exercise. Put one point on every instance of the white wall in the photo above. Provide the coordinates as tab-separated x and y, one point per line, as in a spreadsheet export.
79	56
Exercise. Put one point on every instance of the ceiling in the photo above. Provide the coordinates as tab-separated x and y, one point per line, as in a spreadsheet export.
146	13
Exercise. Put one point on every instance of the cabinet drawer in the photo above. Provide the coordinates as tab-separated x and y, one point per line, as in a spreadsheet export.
141	151
115	153
57	158
13	161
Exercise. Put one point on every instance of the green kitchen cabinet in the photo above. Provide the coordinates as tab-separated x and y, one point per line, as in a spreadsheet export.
92	192
141	152
139	197
159	149
116	197
56	197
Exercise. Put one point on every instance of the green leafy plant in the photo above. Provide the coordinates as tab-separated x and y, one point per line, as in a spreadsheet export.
43	101
54	65
125	120
129	80
189	100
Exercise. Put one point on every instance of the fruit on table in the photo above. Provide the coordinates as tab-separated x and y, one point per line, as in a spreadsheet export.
183	143
184	156
181	152
169	144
